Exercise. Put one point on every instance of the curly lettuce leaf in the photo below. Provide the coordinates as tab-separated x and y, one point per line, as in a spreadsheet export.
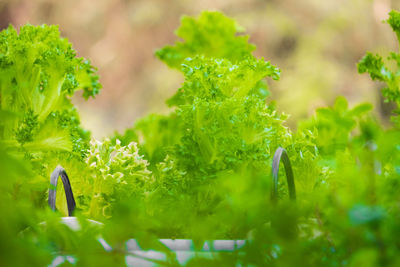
40	71
385	70
218	79
117	172
394	22
155	134
221	132
211	34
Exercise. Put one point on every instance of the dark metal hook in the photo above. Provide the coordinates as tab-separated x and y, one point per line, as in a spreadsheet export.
59	171
281	154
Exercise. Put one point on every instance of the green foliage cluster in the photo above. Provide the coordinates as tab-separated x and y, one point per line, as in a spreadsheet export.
211	34
115	171
220	127
388	70
39	71
201	172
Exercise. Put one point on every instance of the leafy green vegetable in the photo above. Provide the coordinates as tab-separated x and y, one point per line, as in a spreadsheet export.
40	71
394	22
221	127
381	70
212	34
39	126
334	125
117	172
203	171
155	134
226	124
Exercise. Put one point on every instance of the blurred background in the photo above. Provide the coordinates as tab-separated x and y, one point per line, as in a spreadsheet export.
317	45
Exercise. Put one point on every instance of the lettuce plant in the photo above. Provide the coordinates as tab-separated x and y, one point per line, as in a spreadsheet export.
203	170
40	71
220	125
386	70
115	172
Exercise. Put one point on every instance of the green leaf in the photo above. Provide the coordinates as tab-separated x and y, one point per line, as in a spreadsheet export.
39	72
394	21
212	34
360	110
341	105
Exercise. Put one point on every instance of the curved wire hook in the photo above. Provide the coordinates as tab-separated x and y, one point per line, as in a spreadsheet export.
281	155
59	171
